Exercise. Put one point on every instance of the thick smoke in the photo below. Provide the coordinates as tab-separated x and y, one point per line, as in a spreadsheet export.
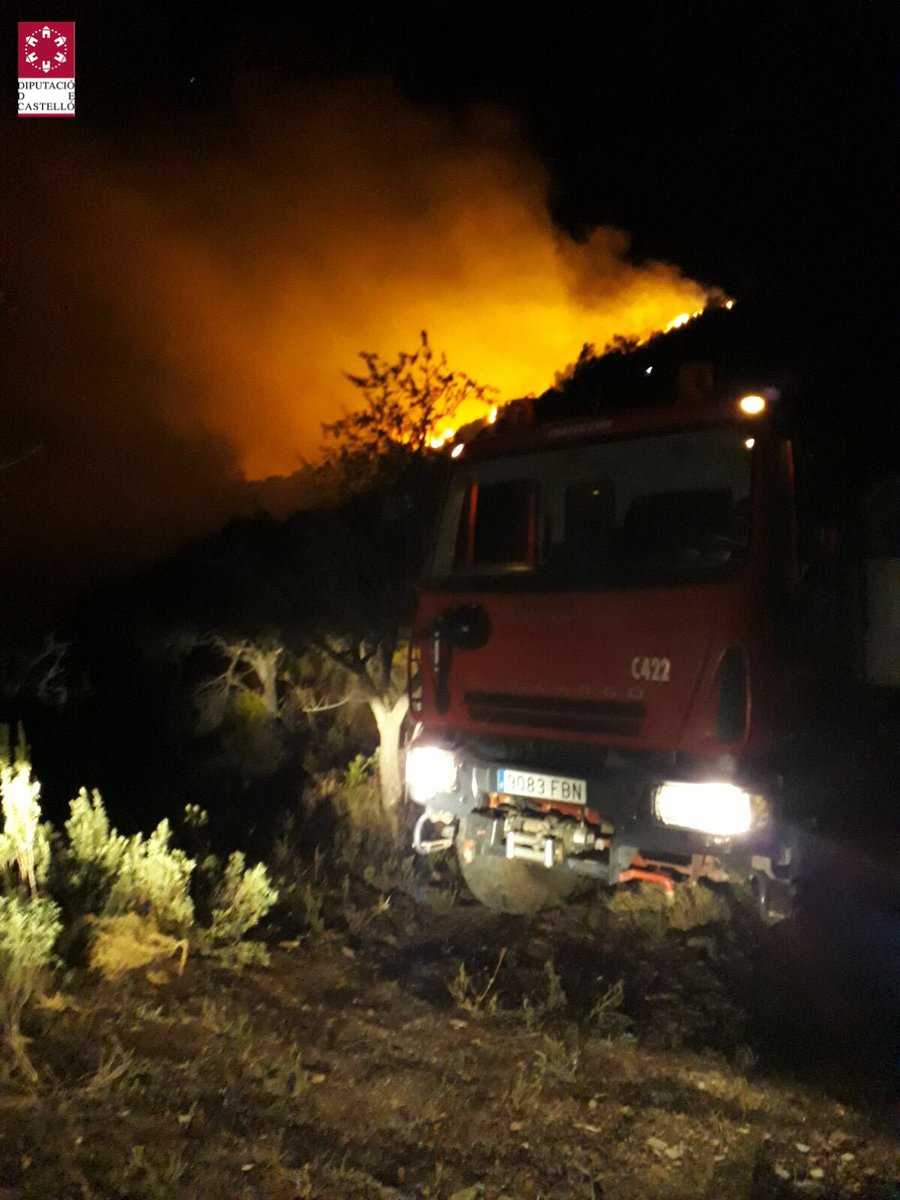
205	302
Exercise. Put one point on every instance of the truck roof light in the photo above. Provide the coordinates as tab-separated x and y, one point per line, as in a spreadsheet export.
752	405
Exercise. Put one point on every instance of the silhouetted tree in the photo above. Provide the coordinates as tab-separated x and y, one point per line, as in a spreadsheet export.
405	405
370	549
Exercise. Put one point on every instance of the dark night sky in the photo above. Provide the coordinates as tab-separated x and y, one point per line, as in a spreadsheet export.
755	149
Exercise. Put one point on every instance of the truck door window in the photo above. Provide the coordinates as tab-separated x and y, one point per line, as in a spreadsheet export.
671	507
498	526
589	514
649	509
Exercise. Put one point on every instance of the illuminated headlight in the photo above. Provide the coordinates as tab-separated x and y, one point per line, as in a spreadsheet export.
430	771
720	809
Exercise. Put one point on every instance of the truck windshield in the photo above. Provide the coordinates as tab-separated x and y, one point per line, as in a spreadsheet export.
650	509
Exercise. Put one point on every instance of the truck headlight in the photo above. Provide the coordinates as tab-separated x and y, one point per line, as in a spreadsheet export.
720	809
430	771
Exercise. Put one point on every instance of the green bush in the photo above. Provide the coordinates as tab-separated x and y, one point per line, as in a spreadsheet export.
28	930
117	874
24	842
243	897
94	849
153	878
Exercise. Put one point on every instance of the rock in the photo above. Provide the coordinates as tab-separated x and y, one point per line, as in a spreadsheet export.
456	1023
516	1126
802	1147
657	1145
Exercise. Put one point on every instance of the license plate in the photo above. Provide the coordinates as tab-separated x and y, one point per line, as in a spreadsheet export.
555	788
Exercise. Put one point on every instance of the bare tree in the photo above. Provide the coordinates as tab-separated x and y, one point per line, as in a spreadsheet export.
250	667
376	674
39	671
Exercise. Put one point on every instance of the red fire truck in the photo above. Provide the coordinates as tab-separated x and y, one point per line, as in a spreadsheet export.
614	648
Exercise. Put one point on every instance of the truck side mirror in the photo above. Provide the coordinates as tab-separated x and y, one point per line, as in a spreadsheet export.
467	627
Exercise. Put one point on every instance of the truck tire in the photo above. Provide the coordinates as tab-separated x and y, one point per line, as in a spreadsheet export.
507	886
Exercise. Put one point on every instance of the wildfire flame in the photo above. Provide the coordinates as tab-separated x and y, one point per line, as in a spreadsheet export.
490	417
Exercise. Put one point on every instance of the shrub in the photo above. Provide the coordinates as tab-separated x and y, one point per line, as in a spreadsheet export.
94	848
28	931
242	898
363	827
154	878
24	841
359	770
121	874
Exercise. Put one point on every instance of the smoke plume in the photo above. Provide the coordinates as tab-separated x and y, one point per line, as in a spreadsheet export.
204	301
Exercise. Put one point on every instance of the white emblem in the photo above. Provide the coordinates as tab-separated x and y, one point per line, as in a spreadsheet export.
59	59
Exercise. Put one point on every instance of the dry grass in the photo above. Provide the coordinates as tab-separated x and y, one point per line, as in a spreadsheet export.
471	996
130	943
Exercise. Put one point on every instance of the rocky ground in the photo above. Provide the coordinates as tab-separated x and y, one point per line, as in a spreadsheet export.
418	1046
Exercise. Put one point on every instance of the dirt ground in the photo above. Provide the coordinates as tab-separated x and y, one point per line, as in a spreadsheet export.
429	1048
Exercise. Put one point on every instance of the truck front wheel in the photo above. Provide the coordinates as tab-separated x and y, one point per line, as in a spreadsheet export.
509	886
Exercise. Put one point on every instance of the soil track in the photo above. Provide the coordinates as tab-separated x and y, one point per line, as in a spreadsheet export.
605	1050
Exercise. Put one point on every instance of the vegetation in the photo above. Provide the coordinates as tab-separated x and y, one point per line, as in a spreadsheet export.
29	927
405	404
133	891
241	900
648	1081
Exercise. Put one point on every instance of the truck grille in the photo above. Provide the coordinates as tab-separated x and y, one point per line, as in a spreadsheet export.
555	712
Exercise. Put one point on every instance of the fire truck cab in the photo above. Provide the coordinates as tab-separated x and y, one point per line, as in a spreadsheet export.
612	654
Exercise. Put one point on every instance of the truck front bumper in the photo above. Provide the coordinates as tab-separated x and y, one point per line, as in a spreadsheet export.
617	833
